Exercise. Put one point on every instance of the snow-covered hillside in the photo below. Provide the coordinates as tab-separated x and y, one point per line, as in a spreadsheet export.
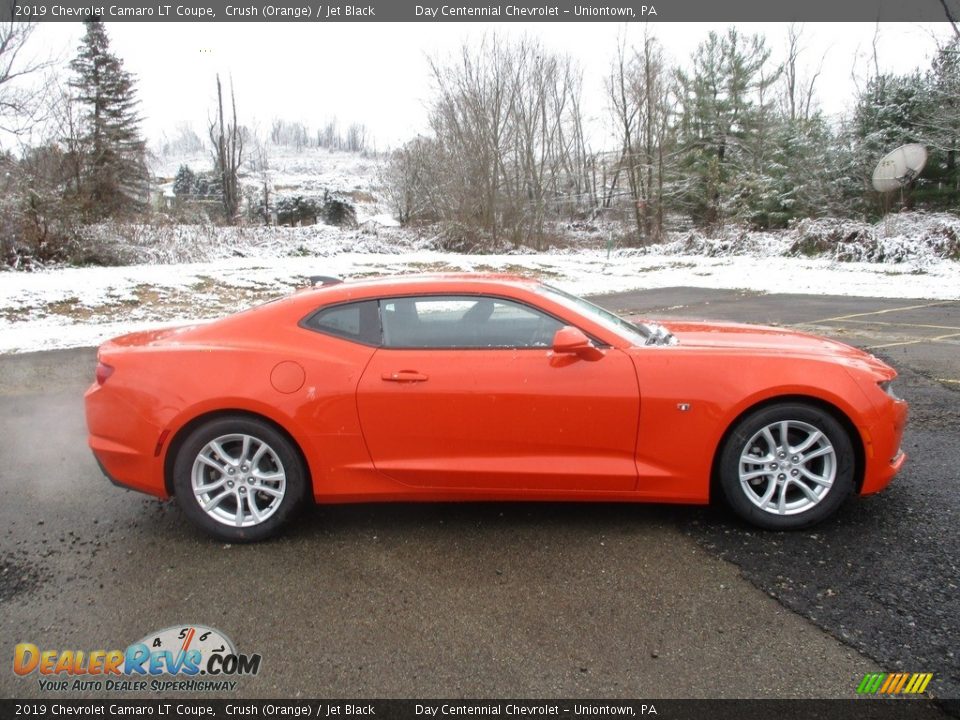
308	171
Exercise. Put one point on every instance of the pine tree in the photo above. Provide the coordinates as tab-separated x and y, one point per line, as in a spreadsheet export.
724	130
185	183
940	129
888	113
805	174
114	178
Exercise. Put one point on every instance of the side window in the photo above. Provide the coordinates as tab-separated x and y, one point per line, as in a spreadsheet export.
359	321
464	322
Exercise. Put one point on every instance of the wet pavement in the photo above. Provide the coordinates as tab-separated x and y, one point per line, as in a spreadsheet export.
884	575
503	599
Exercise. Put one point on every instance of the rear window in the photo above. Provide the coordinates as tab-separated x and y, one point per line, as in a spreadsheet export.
357	321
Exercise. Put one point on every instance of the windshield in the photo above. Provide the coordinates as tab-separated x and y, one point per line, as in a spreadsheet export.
637	334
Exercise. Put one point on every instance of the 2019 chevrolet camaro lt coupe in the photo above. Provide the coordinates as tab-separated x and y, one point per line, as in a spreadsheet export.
483	387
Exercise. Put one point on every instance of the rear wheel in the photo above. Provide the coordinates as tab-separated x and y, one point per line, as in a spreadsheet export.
238	479
787	466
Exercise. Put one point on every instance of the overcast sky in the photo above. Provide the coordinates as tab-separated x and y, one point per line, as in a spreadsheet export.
376	73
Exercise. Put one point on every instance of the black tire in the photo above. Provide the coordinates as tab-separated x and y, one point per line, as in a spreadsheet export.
747	440
273	490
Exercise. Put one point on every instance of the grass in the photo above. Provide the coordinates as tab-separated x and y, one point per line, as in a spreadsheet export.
205	298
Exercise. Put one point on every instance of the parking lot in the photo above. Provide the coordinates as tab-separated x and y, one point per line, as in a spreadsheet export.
921	334
884	575
516	600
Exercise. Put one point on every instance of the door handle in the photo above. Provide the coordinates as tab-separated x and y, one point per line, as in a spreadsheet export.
404	376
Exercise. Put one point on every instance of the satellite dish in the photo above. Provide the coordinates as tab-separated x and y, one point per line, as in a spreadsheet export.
898	168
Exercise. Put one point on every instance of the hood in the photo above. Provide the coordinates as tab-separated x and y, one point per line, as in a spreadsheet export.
763	339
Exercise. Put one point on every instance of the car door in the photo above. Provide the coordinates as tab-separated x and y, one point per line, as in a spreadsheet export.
466	392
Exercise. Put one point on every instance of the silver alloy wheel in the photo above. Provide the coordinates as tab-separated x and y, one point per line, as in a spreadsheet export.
787	467
238	480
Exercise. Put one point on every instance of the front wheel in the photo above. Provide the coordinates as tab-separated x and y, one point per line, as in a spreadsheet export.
787	466
238	479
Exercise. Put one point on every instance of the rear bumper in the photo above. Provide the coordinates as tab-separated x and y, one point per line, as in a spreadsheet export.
111	478
128	469
124	444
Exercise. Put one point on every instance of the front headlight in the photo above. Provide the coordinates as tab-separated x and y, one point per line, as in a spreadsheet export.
887	387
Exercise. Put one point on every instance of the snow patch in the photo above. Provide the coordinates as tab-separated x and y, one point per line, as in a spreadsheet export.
76	307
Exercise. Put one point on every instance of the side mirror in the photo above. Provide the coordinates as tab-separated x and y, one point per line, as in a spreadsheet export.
571	341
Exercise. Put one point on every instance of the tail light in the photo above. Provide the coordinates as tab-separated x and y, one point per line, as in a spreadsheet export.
103	372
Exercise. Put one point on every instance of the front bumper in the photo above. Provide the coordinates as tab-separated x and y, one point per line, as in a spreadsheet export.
884	456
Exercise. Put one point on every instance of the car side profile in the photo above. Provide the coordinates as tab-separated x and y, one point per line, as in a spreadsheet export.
484	387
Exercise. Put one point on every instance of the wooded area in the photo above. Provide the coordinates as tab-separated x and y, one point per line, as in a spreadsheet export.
729	136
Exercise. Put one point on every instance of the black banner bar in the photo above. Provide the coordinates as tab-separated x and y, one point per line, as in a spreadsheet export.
855	709
479	11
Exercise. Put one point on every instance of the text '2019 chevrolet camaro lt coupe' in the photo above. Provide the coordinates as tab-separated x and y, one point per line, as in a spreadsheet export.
482	387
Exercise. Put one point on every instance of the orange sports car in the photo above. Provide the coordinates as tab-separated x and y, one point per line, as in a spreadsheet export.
484	387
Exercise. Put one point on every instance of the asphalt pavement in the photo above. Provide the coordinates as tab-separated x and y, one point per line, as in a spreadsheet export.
501	599
884	574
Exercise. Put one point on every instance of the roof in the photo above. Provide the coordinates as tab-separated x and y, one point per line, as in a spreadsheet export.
403	281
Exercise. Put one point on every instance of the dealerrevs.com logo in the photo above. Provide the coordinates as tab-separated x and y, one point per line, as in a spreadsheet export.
181	658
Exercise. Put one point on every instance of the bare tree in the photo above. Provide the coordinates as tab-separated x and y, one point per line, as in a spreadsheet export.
40	192
951	18
509	141
259	164
20	103
329	136
546	140
625	110
407	180
182	141
472	119
582	160
639	92
798	91
356	140
63	126
227	139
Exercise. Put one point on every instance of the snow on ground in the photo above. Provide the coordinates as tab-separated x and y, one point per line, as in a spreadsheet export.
76	307
173	244
200	272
